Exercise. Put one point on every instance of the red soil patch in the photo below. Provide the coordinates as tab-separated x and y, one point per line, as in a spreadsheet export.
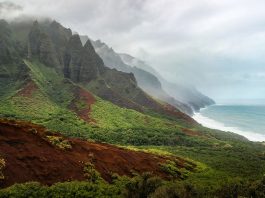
191	132
166	109
28	89
81	104
30	157
171	110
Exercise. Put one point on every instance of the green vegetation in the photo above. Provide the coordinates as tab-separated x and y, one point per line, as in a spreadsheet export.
140	186
48	103
227	165
110	116
2	166
171	168
59	142
66	190
91	174
220	165
223	158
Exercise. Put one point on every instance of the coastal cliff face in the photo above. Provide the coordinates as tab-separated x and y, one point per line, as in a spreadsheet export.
183	93
185	98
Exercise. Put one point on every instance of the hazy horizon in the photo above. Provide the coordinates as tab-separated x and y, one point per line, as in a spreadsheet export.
240	101
217	46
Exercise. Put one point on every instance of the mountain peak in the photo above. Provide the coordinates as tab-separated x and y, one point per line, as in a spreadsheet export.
54	23
75	40
89	46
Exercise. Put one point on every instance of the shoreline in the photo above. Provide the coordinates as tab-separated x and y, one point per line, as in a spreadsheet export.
214	124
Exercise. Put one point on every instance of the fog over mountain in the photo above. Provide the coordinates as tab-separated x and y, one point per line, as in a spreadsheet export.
216	45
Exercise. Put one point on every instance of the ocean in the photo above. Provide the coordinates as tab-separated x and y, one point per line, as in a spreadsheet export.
247	120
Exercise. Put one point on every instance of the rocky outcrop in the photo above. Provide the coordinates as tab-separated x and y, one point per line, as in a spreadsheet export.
81	63
92	65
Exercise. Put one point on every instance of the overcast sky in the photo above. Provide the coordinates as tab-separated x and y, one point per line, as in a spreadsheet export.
217	45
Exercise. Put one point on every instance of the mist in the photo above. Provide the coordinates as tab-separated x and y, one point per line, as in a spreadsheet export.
217	46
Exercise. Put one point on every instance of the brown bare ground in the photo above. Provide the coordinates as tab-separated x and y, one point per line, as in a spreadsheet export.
171	110
30	157
191	132
29	88
85	99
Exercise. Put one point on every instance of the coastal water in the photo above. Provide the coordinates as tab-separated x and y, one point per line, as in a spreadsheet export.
247	120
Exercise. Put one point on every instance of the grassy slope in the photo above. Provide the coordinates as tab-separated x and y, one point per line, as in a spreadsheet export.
224	155
41	107
48	105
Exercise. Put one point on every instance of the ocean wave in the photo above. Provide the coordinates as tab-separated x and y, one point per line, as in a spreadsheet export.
213	124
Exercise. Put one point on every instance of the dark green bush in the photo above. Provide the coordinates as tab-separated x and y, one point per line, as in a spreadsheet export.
142	186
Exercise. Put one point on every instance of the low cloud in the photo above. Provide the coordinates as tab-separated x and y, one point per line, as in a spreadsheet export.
211	43
9	6
9	10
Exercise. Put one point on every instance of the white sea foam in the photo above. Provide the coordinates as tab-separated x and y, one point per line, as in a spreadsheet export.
213	124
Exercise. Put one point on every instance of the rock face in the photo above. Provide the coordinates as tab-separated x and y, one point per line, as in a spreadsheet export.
92	65
189	94
11	66
41	46
81	64
5	54
9	49
60	37
55	47
72	58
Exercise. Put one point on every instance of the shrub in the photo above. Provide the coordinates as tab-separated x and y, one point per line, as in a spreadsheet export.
65	190
175	190
82	189
142	186
91	173
171	168
257	189
59	142
2	166
31	189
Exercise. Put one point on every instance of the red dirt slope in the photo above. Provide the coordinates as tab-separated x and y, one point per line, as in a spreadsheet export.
173	111
81	104
29	88
30	156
